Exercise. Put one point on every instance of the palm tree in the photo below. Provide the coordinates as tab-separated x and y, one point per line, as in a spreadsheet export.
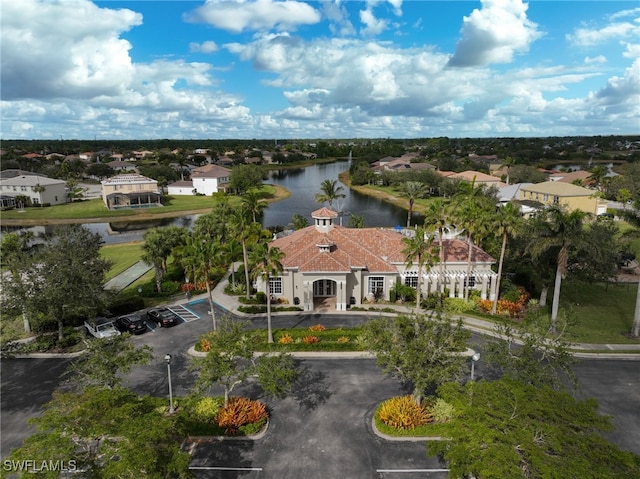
558	230
509	221
329	192
202	256
246	231
253	204
267	261
412	190
438	217
159	244
233	250
597	176
472	213
419	248
508	163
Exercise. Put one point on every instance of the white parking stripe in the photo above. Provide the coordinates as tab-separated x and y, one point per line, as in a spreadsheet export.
214	468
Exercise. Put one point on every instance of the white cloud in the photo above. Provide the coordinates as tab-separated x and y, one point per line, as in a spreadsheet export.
75	55
632	50
339	18
239	15
372	25
588	37
204	47
494	33
598	59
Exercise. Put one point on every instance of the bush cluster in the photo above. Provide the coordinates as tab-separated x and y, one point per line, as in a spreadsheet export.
240	411
403	412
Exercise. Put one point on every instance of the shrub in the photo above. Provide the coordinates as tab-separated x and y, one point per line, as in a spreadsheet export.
261	297
239	412
343	340
403	412
207	408
285	339
402	292
310	339
205	345
441	411
317	328
458	305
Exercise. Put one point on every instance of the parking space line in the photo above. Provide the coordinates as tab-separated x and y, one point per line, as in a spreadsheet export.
214	468
185	314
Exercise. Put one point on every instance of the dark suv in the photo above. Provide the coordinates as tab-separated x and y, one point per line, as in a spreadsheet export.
132	324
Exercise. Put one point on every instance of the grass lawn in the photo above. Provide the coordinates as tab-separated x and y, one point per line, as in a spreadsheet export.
95	209
122	256
602	313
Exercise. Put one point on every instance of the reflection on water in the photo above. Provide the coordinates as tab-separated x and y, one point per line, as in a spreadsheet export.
303	184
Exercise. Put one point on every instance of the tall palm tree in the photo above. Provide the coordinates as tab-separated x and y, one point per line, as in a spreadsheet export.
509	221
158	246
508	163
267	263
597	176
561	231
253	204
329	192
419	249
472	211
233	250
438	217
202	255
412	190
246	231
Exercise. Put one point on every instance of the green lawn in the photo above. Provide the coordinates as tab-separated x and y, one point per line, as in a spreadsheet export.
96	209
122	256
602	313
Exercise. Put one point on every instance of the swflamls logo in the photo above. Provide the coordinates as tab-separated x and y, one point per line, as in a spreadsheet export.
35	466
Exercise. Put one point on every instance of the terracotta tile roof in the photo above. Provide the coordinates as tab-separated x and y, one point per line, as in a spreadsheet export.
376	250
324	212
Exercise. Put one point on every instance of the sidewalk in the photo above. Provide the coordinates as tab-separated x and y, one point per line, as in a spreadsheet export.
480	326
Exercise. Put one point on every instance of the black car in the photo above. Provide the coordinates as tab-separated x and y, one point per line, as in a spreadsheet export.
163	317
132	324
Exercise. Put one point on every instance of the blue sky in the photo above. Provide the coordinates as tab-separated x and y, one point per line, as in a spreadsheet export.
120	69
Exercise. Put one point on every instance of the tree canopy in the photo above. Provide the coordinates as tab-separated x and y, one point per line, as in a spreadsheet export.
505	428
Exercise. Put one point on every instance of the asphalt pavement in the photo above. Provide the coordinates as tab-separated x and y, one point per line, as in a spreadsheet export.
323	429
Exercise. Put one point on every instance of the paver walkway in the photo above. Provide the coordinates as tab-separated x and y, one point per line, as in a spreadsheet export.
128	276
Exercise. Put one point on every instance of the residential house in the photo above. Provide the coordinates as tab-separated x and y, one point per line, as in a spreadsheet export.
208	179
477	177
39	189
181	187
570	196
333	265
130	191
123	166
579	177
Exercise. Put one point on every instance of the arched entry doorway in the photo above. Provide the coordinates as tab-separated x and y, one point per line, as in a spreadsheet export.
324	294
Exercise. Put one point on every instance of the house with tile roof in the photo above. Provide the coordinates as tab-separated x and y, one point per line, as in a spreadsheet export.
572	197
330	264
130	191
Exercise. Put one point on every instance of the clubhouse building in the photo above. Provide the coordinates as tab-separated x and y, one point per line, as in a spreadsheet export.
333	265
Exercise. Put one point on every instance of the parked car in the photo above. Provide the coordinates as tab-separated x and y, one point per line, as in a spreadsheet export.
163	317
131	323
101	327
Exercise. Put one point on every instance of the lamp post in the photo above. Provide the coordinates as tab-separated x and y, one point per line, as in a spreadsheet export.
213	318
474	358
167	358
139	290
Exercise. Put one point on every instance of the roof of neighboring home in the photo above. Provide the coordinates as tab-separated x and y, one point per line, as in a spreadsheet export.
510	192
181	184
127	179
211	171
376	250
12	173
30	180
477	176
558	188
571	177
